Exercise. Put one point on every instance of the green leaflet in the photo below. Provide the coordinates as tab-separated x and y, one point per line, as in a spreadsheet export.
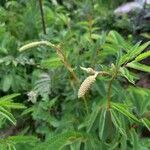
127	74
10	104
94	144
134	51
142	56
139	98
115	37
53	62
138	66
6	102
8	97
94	115
11	141
129	55
117	122
146	122
58	141
22	139
75	146
123	143
114	43
120	108
134	139
7	115
102	121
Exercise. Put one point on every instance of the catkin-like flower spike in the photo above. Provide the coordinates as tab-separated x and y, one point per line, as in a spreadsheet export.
86	84
88	70
34	44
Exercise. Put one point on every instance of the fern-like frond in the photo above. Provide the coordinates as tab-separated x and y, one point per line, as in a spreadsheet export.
43	85
7	103
59	141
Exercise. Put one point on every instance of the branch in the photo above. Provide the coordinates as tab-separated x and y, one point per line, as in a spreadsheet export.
42	16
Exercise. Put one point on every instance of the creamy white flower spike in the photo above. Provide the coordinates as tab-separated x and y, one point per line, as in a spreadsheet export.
86	84
34	44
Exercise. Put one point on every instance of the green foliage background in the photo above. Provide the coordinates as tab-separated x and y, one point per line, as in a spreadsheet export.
39	104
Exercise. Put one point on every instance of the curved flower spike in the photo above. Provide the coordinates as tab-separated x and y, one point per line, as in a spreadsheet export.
86	84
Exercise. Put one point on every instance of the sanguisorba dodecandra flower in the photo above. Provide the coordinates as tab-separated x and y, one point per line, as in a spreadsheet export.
32	96
86	84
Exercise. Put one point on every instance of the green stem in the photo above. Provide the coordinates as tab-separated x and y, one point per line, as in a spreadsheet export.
109	93
42	16
86	106
109	99
90	27
110	89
